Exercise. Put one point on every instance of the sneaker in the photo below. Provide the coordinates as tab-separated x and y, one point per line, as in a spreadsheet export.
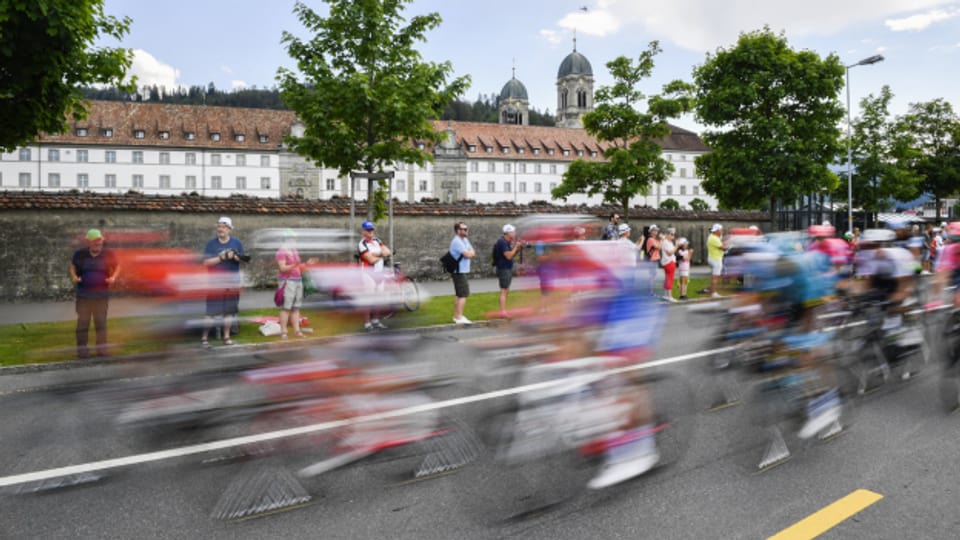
462	320
669	298
683	297
822	413
716	295
378	325
368	327
621	471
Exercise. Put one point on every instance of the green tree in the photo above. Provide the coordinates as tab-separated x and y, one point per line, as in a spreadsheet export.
669	204
631	138
46	57
699	205
882	152
776	115
366	95
935	129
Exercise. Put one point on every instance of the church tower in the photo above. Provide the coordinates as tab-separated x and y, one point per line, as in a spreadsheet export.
513	105
574	89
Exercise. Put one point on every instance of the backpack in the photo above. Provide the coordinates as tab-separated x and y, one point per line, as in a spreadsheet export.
450	265
493	255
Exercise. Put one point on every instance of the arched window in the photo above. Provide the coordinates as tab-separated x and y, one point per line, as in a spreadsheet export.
563	98
581	99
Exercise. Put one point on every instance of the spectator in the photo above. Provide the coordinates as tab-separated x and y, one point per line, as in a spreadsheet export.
372	254
651	252
684	256
504	251
93	269
715	248
222	256
668	260
462	250
610	232
291	275
629	248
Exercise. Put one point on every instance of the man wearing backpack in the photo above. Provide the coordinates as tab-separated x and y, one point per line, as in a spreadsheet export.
462	250
504	250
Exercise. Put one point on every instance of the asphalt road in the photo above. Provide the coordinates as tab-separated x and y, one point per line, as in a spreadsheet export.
902	446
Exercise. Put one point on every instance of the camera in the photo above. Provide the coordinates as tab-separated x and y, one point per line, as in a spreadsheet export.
232	255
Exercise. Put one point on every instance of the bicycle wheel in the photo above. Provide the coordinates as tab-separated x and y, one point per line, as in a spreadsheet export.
409	294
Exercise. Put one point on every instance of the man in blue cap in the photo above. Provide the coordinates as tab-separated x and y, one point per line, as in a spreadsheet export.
372	253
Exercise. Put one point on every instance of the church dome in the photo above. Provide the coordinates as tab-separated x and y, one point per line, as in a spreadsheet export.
574	64
514	89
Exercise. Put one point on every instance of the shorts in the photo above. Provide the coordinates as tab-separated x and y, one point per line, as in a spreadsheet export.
505	276
716	267
223	302
683	269
461	288
292	294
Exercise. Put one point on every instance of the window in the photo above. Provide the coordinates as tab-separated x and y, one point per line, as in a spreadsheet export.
264	182
138	181
139	134
401	185
53	179
537	187
683	157
474	166
241	160
53	154
520	150
164	181
110	156
107	132
488	149
82	156
492	187
216	182
472	148
669	190
505	150
491	167
549	151
669	157
239	138
264	139
696	190
553	186
241	182
536	151
474	186
420	146
215	159
83	181
522	187
137	156
189	135
215	137
264	161
110	180
506	167
164	135
82	132
24	154
423	185
24	179
683	172
521	167
683	190
506	187
537	168
164	158
566	152
190	158
580	153
190	182
331	184
553	169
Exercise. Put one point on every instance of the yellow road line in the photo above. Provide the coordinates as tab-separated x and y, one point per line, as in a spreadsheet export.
829	517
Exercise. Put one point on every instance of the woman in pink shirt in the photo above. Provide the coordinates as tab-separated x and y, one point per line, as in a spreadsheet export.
288	261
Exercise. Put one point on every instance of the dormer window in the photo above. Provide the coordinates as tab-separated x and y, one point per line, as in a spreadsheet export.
164	135
505	150
593	153
239	138
519	150
189	135
81	132
549	151
472	148
536	151
420	146
489	149
264	139
215	137
107	132
566	152
580	153
139	134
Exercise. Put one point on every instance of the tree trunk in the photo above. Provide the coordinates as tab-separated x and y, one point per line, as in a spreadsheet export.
936	200
773	213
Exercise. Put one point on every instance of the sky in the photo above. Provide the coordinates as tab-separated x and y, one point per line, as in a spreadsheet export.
237	43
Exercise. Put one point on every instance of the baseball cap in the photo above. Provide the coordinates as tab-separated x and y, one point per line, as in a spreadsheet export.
508	228
622	228
681	241
716	227
94	234
225	221
368	226
653	226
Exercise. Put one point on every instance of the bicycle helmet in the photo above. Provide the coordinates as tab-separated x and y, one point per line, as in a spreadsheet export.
953	231
368	226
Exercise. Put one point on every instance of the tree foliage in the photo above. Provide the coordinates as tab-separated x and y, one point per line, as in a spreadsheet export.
46	57
776	116
632	162
484	109
669	204
362	91
935	129
699	205
881	155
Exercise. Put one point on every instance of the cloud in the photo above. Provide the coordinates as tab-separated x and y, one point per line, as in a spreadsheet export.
920	21
703	25
880	49
550	36
150	71
235	84
226	69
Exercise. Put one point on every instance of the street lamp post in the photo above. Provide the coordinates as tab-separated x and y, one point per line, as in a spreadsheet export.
865	62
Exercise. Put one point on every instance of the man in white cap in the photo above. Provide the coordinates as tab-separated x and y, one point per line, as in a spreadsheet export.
504	250
629	249
222	256
715	249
